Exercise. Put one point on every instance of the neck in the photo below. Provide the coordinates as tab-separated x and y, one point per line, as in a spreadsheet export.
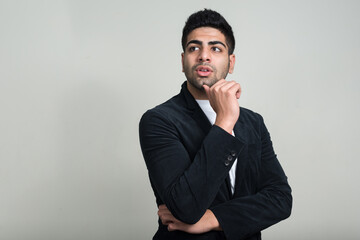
198	94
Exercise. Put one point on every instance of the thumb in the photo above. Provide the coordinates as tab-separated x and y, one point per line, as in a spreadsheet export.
238	93
207	90
171	227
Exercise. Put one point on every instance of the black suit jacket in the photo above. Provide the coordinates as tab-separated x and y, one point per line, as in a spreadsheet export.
188	162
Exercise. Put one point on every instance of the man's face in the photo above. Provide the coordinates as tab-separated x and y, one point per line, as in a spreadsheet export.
206	59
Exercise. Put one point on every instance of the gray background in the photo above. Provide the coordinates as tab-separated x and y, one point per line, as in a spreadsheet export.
76	76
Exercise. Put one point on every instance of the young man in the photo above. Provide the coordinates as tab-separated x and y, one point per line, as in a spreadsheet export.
211	163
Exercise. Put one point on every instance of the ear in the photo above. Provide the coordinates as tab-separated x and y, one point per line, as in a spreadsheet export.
232	63
182	61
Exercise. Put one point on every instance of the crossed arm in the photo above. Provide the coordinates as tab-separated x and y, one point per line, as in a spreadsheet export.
208	222
188	187
223	98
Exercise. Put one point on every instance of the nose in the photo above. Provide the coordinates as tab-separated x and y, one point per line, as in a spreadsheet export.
204	55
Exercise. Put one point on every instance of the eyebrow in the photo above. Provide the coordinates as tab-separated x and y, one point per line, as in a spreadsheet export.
210	43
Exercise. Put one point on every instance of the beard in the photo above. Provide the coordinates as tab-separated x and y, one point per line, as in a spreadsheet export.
198	81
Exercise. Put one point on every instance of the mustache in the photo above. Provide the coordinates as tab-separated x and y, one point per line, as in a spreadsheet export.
204	64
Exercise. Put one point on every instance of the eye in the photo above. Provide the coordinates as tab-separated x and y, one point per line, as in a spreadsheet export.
216	49
193	48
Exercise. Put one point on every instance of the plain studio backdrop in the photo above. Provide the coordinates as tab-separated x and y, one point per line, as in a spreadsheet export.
76	76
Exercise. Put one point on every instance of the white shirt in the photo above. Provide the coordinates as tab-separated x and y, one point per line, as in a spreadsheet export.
211	115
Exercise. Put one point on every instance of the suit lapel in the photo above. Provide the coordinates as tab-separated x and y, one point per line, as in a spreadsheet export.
201	119
240	131
197	114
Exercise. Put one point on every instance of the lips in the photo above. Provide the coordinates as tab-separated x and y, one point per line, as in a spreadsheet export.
203	71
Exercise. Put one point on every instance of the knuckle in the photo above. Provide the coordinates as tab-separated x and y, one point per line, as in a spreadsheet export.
222	89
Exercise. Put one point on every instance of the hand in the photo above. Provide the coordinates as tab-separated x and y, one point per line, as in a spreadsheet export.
207	222
223	96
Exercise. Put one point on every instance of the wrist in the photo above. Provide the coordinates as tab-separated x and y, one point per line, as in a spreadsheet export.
227	125
213	222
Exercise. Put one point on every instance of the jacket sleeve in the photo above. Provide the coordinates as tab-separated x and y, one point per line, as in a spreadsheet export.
187	186
243	216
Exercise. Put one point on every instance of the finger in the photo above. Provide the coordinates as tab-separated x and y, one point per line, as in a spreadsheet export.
189	228
163	212
165	215
235	88
171	227
162	206
238	93
207	90
218	85
219	82
167	218
166	221
175	226
227	85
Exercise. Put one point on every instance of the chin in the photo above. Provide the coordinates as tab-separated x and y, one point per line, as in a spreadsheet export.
209	82
198	83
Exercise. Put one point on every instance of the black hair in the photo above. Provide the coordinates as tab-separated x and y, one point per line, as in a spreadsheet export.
209	18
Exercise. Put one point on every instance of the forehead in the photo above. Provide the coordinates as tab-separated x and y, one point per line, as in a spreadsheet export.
206	34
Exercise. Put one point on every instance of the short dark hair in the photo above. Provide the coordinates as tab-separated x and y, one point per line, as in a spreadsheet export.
209	18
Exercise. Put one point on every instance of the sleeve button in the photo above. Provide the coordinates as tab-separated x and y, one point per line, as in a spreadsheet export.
229	158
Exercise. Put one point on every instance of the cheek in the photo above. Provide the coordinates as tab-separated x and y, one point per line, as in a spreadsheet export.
226	64
186	65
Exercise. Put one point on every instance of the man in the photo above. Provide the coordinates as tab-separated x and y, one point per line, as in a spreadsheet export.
211	163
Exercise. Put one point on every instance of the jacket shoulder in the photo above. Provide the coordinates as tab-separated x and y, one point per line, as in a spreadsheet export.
169	109
248	115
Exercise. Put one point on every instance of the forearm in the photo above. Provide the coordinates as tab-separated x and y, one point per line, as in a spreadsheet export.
245	216
187	186
266	203
212	222
195	190
207	222
265	198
